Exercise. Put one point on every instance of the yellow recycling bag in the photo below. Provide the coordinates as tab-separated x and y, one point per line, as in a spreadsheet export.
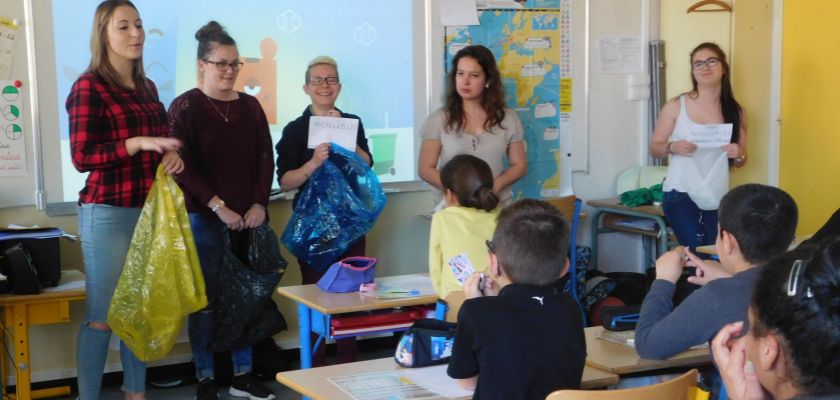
161	283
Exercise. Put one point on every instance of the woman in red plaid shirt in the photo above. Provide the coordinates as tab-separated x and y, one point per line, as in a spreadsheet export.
117	135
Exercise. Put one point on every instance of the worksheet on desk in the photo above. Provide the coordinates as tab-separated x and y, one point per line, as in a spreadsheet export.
382	386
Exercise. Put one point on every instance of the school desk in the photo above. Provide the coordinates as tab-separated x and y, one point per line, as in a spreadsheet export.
315	308
21	311
623	360
710	249
313	382
610	207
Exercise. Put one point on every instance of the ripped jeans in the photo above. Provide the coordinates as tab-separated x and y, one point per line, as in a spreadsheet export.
106	233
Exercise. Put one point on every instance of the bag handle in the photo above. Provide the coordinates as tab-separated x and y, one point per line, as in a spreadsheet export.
368	262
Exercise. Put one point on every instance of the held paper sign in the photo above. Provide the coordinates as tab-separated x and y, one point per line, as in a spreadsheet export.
710	136
342	131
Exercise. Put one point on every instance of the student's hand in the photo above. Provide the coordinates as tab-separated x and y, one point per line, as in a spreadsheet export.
172	163
231	218
738	374
334	113
683	148
707	270
255	216
321	154
151	143
471	289
670	265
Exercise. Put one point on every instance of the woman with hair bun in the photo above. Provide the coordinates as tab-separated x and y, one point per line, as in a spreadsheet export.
226	182
460	230
790	350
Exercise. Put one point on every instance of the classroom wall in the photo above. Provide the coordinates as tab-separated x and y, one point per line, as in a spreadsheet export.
400	237
809	128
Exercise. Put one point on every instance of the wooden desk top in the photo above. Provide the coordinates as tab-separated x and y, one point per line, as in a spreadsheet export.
616	205
8	299
313	382
710	249
339	303
623	360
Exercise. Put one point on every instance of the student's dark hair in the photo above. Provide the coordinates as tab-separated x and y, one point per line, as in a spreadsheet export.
492	98
761	218
209	37
99	62
829	231
471	180
531	242
807	323
729	107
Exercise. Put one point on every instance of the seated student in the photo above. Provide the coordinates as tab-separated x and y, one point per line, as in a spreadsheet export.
465	224
755	223
790	349
518	338
708	270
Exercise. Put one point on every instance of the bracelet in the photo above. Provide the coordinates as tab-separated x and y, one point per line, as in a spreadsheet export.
257	205
304	173
218	206
740	158
668	148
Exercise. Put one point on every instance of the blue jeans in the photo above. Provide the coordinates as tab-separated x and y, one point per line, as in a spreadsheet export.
692	226
208	242
106	235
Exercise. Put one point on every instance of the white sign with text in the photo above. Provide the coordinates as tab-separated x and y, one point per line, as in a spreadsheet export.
341	131
710	136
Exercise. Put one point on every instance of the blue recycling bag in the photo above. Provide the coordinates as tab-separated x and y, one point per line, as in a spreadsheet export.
338	204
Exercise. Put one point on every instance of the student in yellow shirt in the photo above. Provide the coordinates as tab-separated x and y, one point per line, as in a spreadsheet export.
460	230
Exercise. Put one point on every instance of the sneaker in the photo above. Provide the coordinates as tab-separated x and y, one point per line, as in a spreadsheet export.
248	387
207	390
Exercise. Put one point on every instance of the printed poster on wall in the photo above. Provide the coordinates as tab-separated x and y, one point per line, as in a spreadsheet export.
12	143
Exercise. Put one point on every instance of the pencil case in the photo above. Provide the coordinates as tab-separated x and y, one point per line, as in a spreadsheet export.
428	342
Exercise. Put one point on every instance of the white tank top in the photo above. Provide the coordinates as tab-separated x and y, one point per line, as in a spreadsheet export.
704	175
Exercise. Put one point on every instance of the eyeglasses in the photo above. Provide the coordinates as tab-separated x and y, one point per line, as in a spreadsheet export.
490	248
796	270
709	62
222	66
318	81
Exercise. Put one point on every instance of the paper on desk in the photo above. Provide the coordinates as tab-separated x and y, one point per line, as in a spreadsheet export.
381	386
342	131
422	283
436	380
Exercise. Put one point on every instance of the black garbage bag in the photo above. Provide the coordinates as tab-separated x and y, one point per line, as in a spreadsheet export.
245	313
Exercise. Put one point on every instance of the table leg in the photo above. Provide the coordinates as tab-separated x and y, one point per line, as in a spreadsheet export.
305	328
593	254
20	336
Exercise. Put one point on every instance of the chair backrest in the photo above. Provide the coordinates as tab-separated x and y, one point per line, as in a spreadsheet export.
679	388
454	301
570	207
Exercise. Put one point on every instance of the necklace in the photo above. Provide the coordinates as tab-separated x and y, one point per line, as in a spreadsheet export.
225	115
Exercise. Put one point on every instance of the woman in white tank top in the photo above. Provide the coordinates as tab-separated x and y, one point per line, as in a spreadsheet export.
698	173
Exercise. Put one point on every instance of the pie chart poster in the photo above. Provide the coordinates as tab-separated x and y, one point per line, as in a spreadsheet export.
12	144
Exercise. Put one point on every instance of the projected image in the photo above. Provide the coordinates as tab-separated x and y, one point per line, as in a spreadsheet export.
370	39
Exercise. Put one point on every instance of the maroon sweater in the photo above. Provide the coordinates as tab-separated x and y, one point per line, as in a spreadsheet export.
230	159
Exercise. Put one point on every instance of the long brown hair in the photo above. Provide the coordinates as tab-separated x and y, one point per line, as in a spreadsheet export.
492	98
729	107
99	62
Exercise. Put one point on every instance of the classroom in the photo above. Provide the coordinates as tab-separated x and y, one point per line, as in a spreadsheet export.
782	60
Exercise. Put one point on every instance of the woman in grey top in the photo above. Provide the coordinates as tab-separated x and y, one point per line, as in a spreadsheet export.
474	121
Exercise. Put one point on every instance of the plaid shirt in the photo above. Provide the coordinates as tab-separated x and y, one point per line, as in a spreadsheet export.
102	117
